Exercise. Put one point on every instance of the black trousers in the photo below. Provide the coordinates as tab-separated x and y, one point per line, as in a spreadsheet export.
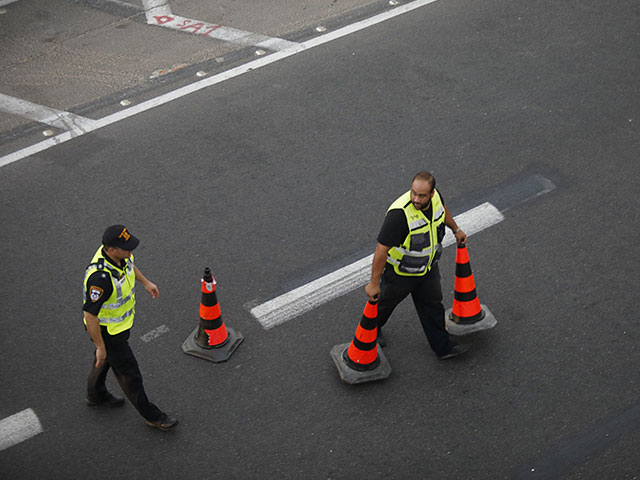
121	360
426	293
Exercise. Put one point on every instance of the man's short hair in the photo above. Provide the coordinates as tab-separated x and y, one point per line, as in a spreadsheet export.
424	175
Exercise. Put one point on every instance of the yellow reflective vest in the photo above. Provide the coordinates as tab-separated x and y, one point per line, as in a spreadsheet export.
118	310
416	254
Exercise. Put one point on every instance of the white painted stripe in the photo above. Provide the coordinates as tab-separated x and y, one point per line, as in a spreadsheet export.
275	43
149	4
219	32
342	281
4	3
221	77
47	115
18	428
155	333
156	7
473	221
36	148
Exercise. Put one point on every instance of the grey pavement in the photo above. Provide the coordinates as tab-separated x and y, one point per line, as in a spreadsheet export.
282	175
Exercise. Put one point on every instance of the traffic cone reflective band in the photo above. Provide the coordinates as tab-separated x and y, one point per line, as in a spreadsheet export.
362	354
211	340
466	305
362	360
212	332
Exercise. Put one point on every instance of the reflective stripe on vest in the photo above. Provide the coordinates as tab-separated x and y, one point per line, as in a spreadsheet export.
117	312
104	321
415	256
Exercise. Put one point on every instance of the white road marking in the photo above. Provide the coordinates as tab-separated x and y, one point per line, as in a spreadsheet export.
18	428
156	7
47	115
4	3
221	77
342	281
155	333
159	13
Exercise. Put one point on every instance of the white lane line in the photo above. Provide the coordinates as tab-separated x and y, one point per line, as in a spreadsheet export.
159	13
221	77
18	428
47	115
4	3
156	7
342	281
155	333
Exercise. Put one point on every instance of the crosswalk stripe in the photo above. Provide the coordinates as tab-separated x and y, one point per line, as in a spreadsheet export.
18	428
47	115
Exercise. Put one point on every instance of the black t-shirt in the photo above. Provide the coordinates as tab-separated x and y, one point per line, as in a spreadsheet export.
99	288
395	228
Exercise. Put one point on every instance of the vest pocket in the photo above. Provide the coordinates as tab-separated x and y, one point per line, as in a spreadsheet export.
438	254
410	264
420	241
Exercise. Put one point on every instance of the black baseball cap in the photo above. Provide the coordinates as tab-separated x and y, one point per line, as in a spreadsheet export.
119	236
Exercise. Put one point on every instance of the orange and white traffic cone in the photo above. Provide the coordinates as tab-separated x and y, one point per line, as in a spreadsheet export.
211	340
362	360
467	314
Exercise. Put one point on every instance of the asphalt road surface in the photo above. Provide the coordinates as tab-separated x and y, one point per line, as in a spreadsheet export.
281	175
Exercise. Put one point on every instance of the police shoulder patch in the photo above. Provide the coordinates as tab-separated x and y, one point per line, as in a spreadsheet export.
95	293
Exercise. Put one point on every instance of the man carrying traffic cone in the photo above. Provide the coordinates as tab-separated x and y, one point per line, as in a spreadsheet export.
406	261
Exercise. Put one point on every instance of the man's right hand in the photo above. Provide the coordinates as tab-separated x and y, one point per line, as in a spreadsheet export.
101	355
373	290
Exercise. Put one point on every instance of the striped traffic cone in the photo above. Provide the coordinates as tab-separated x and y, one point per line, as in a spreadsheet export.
362	360
211	340
467	314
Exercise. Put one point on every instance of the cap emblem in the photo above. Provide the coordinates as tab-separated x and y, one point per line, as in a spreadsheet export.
124	234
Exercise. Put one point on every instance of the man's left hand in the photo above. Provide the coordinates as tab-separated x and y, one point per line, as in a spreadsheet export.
152	289
461	237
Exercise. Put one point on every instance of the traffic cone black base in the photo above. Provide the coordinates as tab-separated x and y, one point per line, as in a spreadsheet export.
352	376
215	354
484	322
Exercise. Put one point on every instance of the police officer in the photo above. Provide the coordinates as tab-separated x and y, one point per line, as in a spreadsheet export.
405	261
109	307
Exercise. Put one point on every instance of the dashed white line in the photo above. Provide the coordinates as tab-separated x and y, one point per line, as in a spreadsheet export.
221	77
342	281
18	428
4	3
47	115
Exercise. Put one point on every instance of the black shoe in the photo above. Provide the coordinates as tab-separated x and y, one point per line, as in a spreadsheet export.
165	422
108	400
455	351
381	341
